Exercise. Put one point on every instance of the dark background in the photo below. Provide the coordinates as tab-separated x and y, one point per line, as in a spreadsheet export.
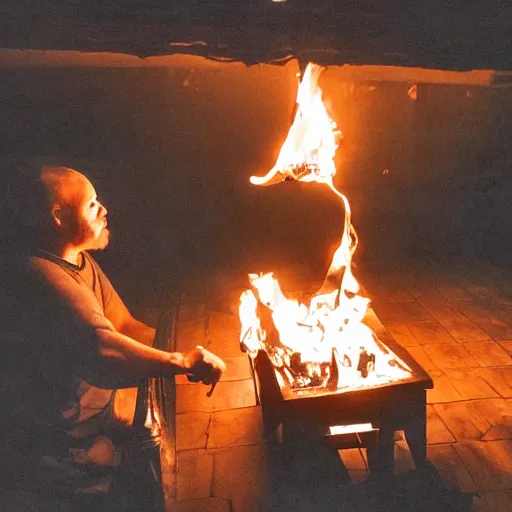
437	34
170	151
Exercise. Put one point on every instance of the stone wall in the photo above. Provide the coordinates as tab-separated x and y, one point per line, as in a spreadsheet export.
171	149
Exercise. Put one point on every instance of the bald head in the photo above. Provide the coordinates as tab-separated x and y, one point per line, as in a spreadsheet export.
62	186
60	211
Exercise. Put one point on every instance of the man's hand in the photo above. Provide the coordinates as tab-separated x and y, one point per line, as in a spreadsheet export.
203	366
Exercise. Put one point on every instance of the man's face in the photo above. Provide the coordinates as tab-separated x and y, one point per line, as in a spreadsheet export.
86	218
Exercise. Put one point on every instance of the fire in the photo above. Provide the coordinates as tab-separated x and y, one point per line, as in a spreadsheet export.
325	343
308	151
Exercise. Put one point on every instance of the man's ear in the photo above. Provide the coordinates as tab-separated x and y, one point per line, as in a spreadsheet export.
56	213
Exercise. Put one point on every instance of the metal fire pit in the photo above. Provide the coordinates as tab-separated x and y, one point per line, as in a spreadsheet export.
388	407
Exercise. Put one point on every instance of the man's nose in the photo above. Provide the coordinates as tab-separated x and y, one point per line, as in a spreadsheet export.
103	210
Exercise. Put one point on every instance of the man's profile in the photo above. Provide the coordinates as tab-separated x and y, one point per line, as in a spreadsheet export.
67	342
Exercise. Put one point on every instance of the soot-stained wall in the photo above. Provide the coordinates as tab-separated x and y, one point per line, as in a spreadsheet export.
171	150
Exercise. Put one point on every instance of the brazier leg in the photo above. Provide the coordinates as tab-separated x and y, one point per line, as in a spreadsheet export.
416	433
380	450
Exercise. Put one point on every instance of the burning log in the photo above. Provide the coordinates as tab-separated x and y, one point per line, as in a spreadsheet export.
309	350
297	373
366	363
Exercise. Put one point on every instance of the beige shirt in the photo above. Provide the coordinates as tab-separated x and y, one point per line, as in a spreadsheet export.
89	298
55	406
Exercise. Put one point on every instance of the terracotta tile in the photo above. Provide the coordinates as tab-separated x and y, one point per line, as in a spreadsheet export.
501	430
459	326
227	395
437	432
234	395
460	419
492	501
492	416
501	451
421	357
484	318
401	312
353	459
470	389
240	470
429	331
401	319
236	427
506	345
493	298
488	353
386	291
190	334
403	458
192	398
443	391
192	430
401	334
454	291
498	413
450	355
499	379
355	463
181	380
203	505
222	334
451	468
488	462
194	475
237	368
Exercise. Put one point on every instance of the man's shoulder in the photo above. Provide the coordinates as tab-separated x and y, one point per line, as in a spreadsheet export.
37	264
51	273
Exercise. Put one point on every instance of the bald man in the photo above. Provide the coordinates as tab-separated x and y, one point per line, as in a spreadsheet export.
67	342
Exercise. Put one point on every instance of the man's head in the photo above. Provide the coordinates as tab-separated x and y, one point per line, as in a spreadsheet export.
77	218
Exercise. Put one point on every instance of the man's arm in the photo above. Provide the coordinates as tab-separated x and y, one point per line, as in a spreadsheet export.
120	356
108	355
126	324
119	359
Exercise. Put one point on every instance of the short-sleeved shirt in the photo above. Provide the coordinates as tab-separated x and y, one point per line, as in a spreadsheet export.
49	409
86	277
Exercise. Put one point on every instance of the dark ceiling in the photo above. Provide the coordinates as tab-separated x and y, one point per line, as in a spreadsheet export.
431	34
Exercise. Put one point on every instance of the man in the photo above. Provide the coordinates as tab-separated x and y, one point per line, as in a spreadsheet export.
67	341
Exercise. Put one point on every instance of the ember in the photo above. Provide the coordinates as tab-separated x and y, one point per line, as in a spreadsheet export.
323	344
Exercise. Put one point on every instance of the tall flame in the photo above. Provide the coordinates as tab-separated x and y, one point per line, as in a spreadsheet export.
308	151
329	332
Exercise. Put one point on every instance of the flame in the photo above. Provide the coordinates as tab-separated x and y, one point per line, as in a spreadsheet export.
308	151
326	342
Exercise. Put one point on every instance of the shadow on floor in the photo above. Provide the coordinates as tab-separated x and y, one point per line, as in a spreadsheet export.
306	476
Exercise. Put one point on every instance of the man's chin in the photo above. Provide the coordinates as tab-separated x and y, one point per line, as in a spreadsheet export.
101	242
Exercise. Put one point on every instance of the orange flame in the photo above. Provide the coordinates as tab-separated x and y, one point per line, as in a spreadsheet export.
329	332
308	151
